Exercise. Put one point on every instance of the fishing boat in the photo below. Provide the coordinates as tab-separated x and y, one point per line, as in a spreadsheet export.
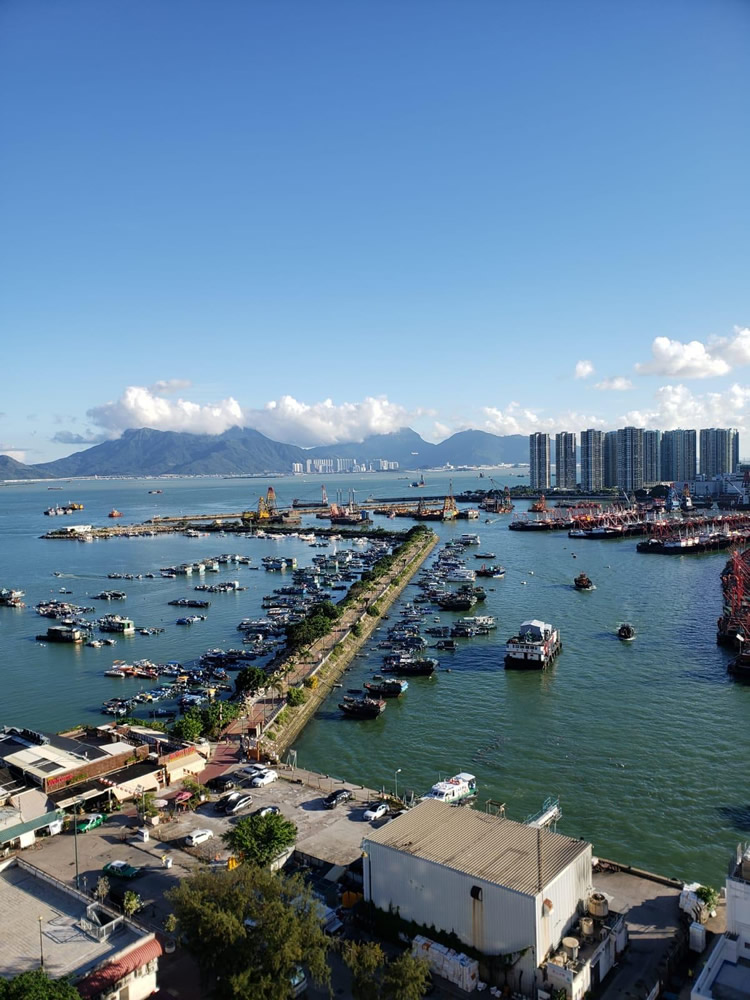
626	632
582	582
397	664
459	788
382	687
114	513
362	708
494	572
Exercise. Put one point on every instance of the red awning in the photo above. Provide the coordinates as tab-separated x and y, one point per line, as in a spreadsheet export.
102	980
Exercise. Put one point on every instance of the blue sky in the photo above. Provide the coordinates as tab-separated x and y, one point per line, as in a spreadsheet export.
325	219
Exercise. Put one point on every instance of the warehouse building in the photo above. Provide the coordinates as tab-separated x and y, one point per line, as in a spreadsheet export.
504	888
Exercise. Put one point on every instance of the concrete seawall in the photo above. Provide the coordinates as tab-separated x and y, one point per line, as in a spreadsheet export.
348	645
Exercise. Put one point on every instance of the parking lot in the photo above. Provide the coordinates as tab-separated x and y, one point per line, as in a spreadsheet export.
330	835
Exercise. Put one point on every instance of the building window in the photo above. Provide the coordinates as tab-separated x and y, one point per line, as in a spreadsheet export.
476	892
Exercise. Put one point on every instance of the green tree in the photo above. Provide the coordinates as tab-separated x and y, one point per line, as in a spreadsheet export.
189	727
405	978
102	888
365	961
250	680
257	839
249	929
36	985
197	791
296	697
131	903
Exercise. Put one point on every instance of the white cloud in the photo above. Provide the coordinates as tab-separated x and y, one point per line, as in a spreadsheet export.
306	424
515	419
696	359
17	453
285	419
676	406
616	384
584	369
140	407
164	387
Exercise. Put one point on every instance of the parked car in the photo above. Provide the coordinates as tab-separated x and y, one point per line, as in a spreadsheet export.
222	782
224	805
121	869
265	778
89	822
196	837
337	798
268	810
298	982
240	803
253	769
376	810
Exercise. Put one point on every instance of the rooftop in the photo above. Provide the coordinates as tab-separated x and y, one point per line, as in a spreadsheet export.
487	847
37	902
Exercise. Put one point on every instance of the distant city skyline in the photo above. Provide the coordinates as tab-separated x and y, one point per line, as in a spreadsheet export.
334	220
631	457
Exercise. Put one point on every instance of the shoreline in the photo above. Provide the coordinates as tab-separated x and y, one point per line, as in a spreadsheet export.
333	664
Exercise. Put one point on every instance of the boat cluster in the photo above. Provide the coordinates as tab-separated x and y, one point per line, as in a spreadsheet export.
406	647
10	598
186	686
110	595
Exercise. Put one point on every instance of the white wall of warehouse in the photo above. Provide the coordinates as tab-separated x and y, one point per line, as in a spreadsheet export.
434	895
566	892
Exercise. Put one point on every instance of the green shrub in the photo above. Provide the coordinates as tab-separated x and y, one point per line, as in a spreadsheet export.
296	697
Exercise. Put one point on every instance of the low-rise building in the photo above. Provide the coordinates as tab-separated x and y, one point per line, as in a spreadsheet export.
503	888
726	973
103	953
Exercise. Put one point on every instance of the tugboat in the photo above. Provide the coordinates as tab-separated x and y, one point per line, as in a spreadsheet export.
459	788
362	708
534	648
626	632
582	582
386	687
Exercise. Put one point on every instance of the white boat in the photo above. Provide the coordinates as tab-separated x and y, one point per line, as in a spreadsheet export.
460	787
469	539
534	648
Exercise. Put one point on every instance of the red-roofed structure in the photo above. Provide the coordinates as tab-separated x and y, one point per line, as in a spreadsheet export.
106	979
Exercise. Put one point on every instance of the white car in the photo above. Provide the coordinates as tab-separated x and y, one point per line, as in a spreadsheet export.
376	810
265	778
196	837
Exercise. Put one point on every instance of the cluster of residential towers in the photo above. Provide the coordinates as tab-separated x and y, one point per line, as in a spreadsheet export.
632	458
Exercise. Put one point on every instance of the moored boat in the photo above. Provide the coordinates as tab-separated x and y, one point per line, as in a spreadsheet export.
459	788
362	708
534	648
382	687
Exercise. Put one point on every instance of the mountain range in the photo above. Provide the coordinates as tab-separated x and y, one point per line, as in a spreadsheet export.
244	451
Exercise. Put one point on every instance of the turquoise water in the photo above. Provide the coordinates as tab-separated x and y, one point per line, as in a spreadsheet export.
646	743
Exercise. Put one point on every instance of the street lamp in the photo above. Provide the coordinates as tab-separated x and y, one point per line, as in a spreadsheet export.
79	801
396	774
41	945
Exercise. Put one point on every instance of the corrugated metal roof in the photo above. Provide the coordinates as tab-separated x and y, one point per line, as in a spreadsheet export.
487	847
13	832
